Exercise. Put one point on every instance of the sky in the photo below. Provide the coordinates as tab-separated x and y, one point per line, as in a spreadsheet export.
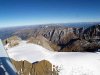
34	12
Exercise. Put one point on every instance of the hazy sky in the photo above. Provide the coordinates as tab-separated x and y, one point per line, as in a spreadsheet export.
30	12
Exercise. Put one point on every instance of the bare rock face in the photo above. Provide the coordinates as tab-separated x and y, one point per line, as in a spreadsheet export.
92	33
43	67
40	40
12	41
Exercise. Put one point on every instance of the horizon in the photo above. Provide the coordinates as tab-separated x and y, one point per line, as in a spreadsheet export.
35	12
69	23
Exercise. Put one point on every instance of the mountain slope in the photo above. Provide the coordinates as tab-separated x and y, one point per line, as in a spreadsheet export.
76	63
62	38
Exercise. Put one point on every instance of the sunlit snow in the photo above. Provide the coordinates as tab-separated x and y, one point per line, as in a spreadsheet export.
69	63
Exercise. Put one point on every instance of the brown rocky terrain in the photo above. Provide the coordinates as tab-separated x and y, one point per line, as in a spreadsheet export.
37	40
62	38
12	41
40	40
43	67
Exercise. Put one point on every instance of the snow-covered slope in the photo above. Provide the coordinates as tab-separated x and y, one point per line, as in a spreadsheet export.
69	63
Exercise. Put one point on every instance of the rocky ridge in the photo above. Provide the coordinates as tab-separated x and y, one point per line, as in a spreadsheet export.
63	38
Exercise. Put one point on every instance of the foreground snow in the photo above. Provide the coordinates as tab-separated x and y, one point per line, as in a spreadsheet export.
69	63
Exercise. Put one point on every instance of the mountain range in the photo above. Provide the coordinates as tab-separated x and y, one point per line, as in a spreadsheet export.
70	37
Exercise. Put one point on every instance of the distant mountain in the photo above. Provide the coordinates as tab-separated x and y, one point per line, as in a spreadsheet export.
78	37
7	32
81	24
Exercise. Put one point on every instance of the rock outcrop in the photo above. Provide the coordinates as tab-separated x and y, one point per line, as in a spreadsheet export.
12	41
43	67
